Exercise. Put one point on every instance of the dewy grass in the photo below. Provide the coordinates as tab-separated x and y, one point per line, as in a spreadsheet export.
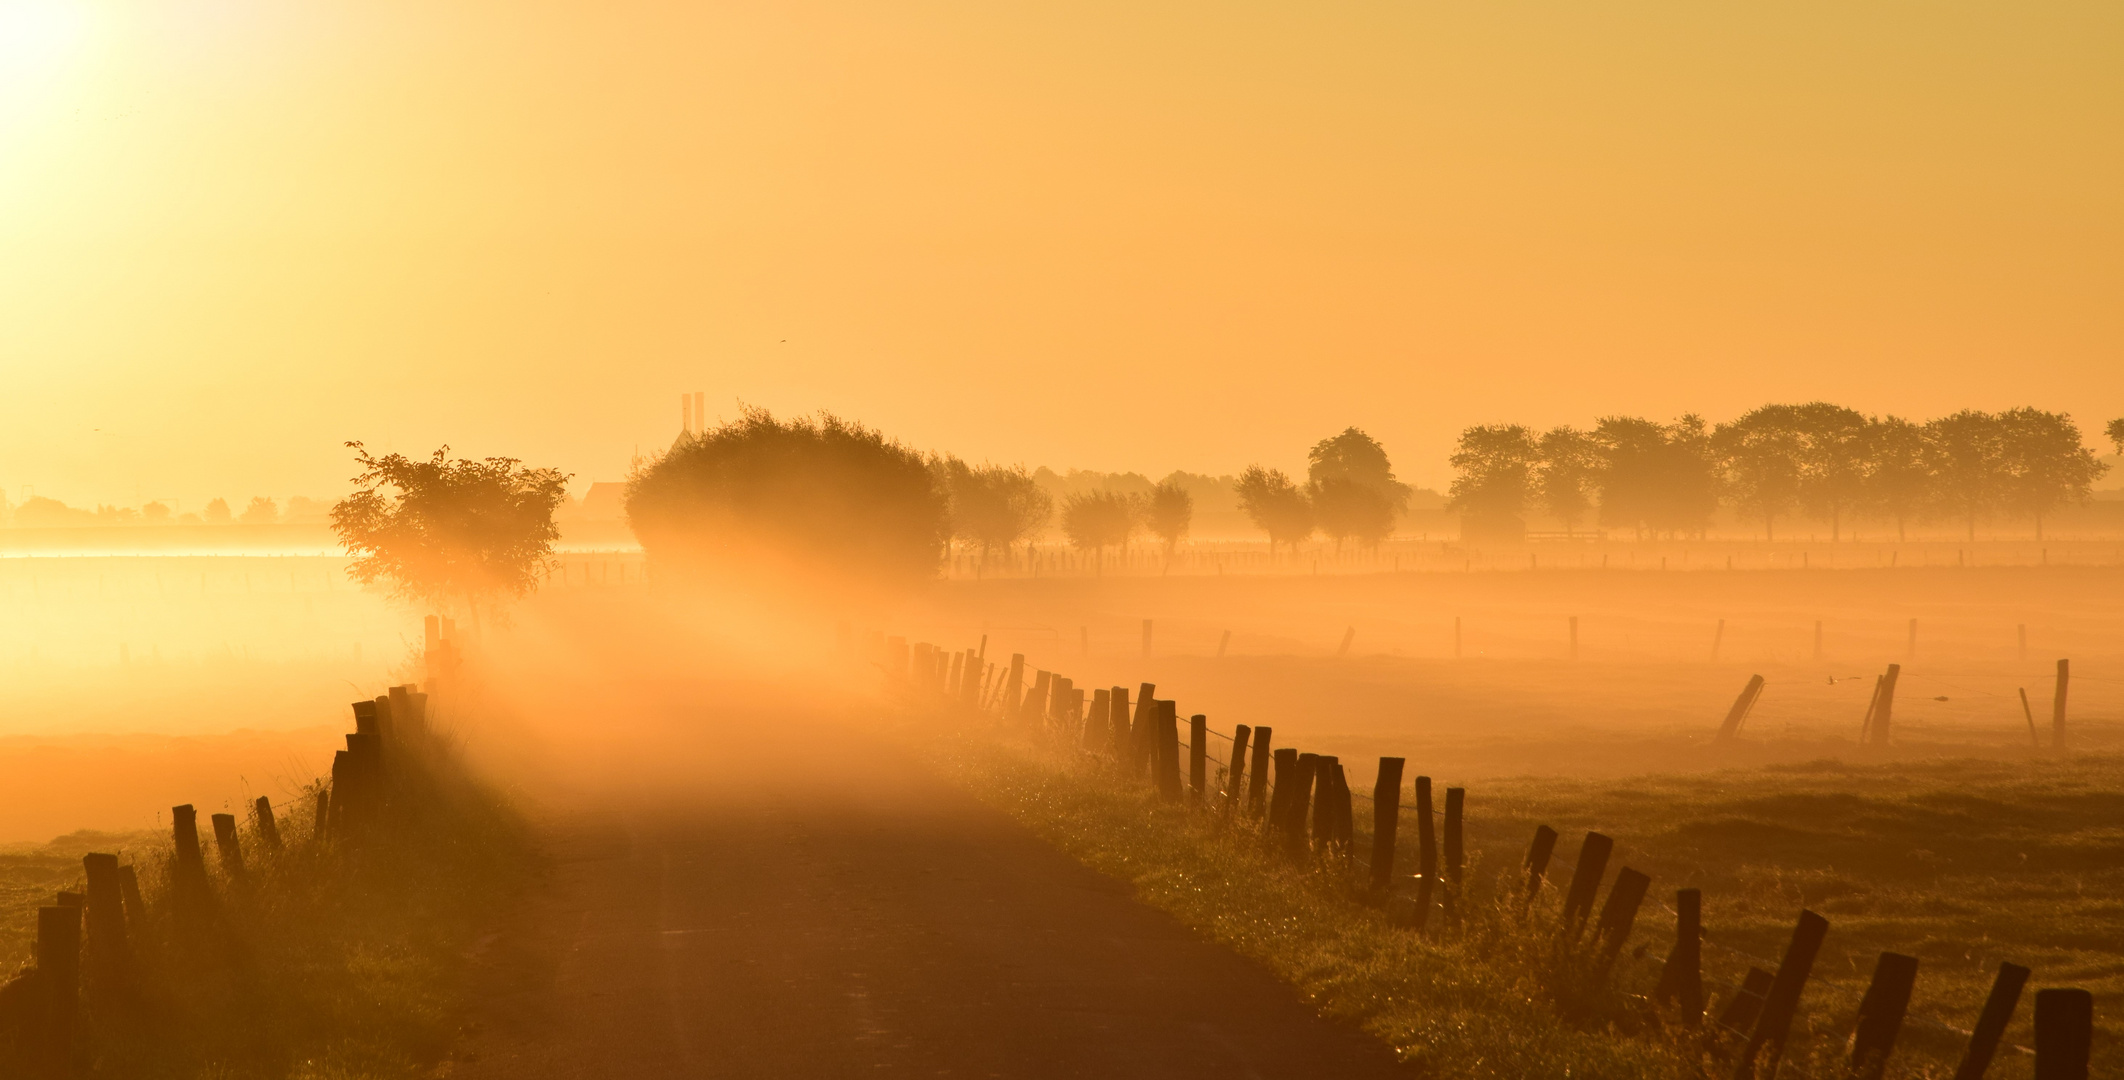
1476	1001
1959	863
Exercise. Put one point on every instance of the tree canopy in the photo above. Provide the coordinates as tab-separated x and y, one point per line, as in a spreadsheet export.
443	530
992	506
1275	505
1168	512
1352	487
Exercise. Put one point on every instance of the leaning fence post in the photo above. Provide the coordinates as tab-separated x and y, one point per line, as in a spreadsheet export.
1538	855
1736	715
1619	914
1235	773
1681	980
1197	757
268	829
231	848
1781	1003
1426	852
129	890
2064	1030
1991	1023
1585	879
1747	1003
1386	821
1880	1015
1257	790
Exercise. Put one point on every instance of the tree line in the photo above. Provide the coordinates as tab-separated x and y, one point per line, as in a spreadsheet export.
1772	464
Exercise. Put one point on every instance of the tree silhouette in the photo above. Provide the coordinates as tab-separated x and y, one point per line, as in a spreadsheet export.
1966	454
441	530
217	512
1496	464
993	505
1899	481
261	511
1168	513
1352	487
1567	474
825	497
1761	456
1276	506
1833	462
1097	520
2115	430
2045	464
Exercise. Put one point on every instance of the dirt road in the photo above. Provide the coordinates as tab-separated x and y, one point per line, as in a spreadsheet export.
861	919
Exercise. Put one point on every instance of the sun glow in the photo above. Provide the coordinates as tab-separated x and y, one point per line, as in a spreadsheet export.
37	37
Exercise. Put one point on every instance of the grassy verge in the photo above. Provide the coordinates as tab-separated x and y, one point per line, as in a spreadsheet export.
335	958
1958	863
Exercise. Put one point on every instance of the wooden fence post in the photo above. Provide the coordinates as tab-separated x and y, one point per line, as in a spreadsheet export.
1169	751
1013	684
1538	856
1143	745
1426	852
2057	706
1880	1015
129	891
1386	821
1681	980
59	969
1619	914
1323	802
1295	808
1197	758
1885	710
1781	1002
1991	1023
1742	705
1746	1003
108	951
2028	712
268	829
231	848
1455	861
1286	766
1235	773
2064	1030
1117	719
1585	879
190	868
1257	790
1097	729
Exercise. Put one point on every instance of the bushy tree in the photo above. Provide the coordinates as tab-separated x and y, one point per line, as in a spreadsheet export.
2046	465
1097	520
1657	477
824	497
445	530
1567	474
1496	464
1966	455
1761	455
1898	481
217	512
1833	461
261	511
994	506
2115	430
1351	484
1168	513
1276	506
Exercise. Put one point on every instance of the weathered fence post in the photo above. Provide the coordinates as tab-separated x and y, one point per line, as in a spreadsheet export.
268	829
1538	855
2064	1030
1880	1015
1117	720
1235	773
1323	832
1991	1023
1742	705
108	951
1257	790
59	968
1013	684
1426	853
2029	713
1781	1002
1197	757
1747	1003
1295	808
189	876
129	890
1286	765
1168	734
1455	860
2057	706
1585	879
231	848
1386	821
1143	739
1619	914
1681	980
1096	728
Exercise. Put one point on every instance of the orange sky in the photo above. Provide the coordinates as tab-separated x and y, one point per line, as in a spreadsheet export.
234	233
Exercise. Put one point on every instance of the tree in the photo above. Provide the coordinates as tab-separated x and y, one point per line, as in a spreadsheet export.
1496	465
261	511
1168	513
993	505
442	530
1761	456
821	498
1833	462
1567	474
1352	487
2116	434
1276	506
1656	477
1966	455
217	512
155	513
1097	520
1899	482
2045	464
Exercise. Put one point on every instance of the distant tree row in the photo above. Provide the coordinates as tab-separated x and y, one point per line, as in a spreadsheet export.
40	512
993	507
1825	461
1350	493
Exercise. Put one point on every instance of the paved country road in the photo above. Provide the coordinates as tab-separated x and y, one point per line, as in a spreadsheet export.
860	917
